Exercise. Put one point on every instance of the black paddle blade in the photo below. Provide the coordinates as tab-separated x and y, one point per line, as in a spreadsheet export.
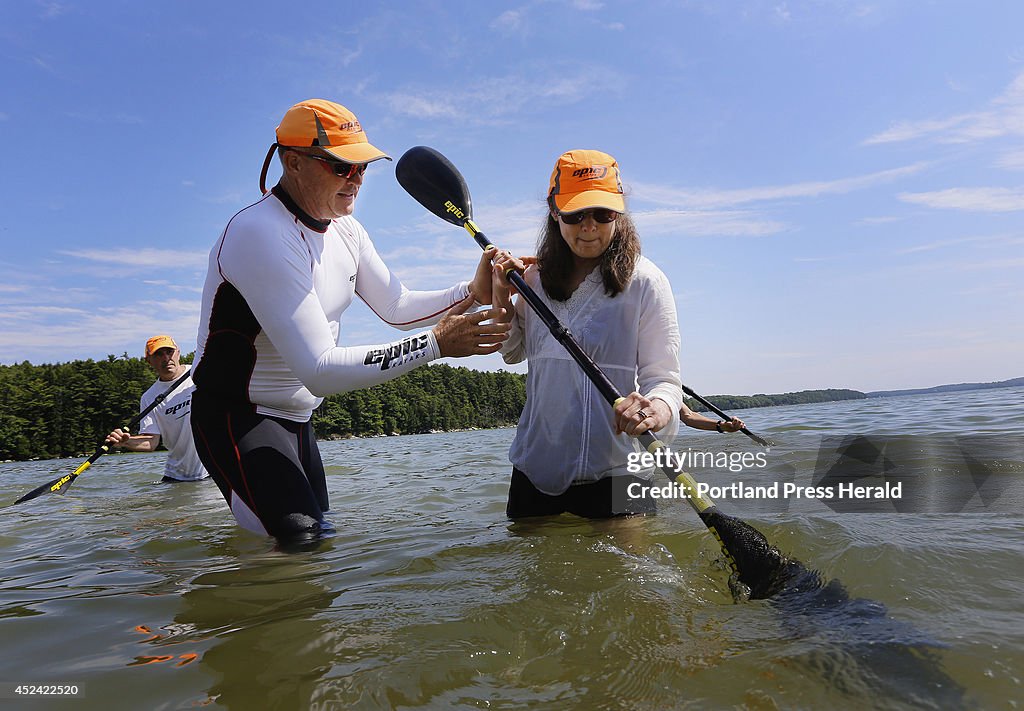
762	571
59	484
435	184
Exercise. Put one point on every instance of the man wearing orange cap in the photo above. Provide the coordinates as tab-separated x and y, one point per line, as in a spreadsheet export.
280	277
168	421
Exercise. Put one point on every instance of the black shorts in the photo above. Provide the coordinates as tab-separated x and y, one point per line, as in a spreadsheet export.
604	498
268	469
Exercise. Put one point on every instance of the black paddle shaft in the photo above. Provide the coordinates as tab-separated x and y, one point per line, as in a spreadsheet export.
563	335
156	401
559	331
711	406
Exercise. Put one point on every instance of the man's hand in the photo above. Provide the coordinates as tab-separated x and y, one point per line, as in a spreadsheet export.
117	437
139	443
733	425
480	287
501	289
459	334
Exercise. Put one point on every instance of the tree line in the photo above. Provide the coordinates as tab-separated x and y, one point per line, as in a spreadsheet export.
434	397
66	409
744	402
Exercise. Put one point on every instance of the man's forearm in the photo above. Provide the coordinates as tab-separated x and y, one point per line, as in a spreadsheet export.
141	443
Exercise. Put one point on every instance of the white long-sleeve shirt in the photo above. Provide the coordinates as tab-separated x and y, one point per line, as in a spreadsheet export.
566	432
276	287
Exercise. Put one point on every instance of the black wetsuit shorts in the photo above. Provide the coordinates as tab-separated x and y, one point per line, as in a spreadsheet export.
268	469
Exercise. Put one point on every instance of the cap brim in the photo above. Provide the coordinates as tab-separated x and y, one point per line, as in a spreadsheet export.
358	153
574	202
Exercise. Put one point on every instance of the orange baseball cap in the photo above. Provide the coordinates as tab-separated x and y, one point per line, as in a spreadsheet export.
329	126
157	342
584	179
323	124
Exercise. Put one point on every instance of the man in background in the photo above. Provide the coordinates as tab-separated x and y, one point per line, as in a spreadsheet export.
170	420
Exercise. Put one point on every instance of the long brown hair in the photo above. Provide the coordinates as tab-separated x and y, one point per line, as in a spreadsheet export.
556	261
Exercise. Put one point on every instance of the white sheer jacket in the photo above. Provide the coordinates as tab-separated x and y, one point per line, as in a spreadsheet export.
566	431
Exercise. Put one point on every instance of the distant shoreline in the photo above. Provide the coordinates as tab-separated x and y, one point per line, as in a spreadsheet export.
959	387
803	397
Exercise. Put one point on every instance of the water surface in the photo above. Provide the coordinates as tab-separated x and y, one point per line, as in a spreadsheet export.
147	595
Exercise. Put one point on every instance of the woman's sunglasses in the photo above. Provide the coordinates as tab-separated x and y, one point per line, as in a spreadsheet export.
601	214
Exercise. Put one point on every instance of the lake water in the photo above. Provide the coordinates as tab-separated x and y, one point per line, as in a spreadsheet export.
148	596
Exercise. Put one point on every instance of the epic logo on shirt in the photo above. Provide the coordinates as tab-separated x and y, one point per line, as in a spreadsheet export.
404	351
172	410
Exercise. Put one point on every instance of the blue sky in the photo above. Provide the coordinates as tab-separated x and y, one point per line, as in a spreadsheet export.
835	189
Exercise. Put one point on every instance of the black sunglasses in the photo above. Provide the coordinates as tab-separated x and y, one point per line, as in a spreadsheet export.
339	168
600	214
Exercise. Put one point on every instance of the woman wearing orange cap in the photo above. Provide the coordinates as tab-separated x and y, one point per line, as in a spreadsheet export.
571	453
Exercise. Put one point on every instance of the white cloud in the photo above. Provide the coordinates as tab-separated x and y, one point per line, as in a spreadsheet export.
495	98
1012	160
43	320
508	21
51	10
706	212
42	333
438	106
706	198
513	226
166	285
34	312
350	56
702	223
996	264
970	199
175	308
878	220
985	241
910	130
959	266
144	258
1003	117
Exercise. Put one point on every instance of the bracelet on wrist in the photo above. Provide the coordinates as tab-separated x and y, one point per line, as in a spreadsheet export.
718	426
